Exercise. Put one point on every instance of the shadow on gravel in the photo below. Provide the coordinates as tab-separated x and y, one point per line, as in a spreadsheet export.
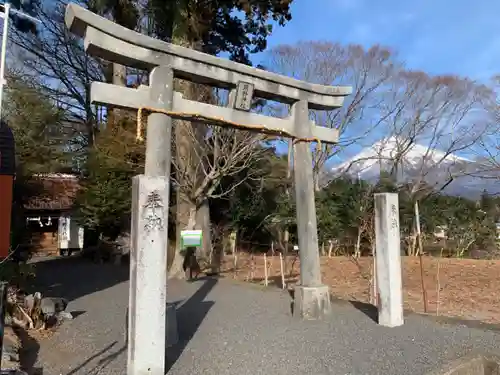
74	277
28	353
190	315
366	308
372	312
88	360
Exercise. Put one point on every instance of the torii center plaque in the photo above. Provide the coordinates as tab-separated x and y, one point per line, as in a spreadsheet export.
165	61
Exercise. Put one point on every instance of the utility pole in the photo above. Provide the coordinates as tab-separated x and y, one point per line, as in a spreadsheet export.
22	21
5	16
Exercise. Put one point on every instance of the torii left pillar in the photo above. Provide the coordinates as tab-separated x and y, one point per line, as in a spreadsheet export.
147	318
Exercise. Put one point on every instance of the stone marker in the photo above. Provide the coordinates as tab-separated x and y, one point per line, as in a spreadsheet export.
147	295
388	260
114	43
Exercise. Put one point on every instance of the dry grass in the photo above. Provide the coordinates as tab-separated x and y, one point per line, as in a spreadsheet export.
469	288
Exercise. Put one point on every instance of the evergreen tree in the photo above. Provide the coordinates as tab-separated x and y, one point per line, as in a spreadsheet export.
237	27
40	142
104	203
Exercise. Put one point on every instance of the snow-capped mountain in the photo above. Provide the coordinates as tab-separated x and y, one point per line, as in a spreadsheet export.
417	162
384	154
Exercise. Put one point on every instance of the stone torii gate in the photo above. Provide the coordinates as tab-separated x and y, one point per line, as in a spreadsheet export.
150	201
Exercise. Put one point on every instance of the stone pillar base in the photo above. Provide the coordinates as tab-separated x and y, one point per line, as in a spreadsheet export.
172	329
311	302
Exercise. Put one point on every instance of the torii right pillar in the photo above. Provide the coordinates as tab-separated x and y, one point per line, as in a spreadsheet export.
311	297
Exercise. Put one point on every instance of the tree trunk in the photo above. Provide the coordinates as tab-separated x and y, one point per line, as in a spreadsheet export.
420	249
188	215
187	161
415	245
317	187
176	271
357	250
216	259
412	244
330	248
232	241
118	77
203	223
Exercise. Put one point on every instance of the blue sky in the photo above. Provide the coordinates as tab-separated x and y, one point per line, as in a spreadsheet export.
439	37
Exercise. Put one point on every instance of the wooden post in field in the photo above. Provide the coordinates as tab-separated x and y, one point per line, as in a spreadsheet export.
266	281
282	272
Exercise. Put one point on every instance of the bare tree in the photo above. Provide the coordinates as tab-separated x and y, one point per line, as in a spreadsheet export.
427	122
443	116
487	166
365	220
367	71
215	154
57	60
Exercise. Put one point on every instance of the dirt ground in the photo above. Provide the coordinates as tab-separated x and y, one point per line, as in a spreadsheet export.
468	288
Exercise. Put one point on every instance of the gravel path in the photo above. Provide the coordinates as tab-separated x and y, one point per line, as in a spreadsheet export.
235	329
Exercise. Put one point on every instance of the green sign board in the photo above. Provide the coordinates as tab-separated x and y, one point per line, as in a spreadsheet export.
191	238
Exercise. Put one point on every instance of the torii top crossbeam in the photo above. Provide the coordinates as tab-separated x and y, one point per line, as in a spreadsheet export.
115	43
